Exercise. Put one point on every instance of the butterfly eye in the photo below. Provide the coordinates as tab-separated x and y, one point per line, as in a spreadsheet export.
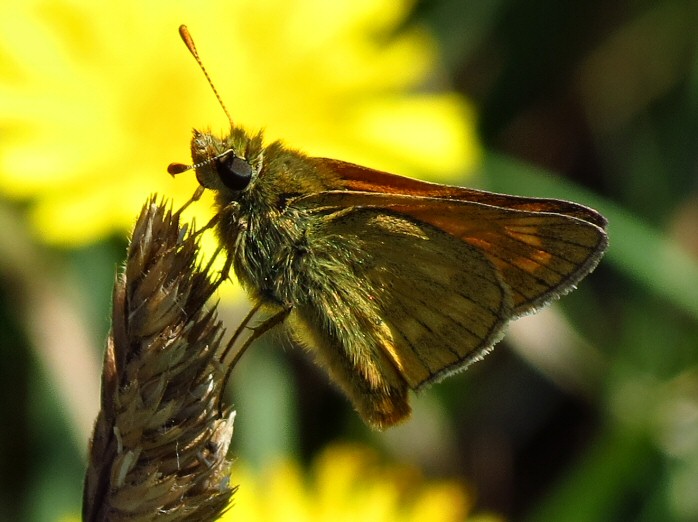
235	173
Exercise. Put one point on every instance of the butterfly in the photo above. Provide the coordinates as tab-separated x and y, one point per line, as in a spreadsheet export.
391	283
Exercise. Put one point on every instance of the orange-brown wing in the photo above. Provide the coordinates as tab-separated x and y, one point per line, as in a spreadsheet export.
363	179
540	247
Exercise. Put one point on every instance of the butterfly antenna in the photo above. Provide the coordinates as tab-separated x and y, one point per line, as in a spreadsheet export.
189	42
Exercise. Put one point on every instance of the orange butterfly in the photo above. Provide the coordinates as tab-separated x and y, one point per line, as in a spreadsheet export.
391	283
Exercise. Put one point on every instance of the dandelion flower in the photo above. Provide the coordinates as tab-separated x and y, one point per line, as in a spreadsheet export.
96	99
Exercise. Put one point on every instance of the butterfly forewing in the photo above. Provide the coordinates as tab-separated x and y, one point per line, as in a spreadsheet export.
542	247
540	255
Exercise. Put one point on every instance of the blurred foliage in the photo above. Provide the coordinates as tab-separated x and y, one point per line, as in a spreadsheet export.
593	101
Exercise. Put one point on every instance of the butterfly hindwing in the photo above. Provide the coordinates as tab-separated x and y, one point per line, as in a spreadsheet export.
414	304
442	300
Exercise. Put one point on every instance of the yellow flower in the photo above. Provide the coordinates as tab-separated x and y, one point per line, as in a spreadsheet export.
348	483
97	98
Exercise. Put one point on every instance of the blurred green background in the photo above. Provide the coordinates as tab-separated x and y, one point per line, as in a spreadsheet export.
595	102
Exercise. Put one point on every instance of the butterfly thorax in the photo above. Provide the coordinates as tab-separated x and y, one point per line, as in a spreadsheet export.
264	243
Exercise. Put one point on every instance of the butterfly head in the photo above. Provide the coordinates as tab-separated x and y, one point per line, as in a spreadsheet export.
227	165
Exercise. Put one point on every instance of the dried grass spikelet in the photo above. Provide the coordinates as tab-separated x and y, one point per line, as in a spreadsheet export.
160	441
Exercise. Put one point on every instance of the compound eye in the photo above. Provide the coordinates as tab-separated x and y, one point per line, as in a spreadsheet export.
235	173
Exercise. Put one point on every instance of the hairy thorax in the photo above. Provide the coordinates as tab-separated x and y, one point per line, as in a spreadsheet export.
266	245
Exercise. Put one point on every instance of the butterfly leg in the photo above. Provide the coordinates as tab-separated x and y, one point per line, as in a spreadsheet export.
257	331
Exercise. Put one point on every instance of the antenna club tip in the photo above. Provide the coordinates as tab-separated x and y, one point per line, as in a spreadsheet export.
176	168
188	40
